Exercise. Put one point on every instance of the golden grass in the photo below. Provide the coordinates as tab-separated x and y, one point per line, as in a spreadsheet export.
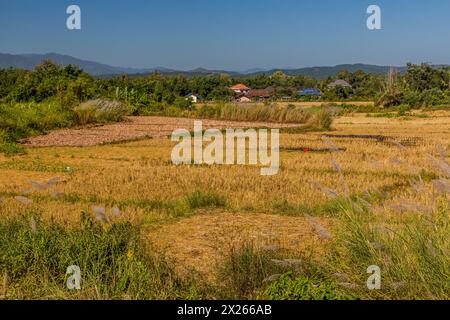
139	178
209	237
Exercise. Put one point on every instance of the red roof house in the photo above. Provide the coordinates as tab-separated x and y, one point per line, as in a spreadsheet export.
240	88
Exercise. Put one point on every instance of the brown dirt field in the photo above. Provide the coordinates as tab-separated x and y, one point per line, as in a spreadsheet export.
135	128
201	242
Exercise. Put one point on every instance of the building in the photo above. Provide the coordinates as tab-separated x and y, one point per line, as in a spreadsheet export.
310	92
243	99
339	83
260	94
194	98
240	88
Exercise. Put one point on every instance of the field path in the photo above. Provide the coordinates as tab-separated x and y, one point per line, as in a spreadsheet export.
135	128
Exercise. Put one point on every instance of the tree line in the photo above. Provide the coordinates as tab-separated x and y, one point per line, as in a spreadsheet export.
421	85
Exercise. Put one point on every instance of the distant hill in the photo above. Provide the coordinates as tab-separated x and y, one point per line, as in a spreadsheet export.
29	61
254	70
324	72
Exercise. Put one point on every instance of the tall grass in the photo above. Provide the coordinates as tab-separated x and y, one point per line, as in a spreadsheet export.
100	111
412	253
245	269
260	112
321	120
34	260
251	272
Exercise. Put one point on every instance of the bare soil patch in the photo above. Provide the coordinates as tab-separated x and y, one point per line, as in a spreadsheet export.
135	128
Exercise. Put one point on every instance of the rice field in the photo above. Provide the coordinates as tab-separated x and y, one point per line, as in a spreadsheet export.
194	216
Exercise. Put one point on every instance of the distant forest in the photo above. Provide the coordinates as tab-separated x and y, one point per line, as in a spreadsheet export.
421	85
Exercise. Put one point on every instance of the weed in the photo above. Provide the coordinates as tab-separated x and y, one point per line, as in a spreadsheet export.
288	287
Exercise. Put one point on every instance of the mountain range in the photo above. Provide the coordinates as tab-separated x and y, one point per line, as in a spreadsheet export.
29	61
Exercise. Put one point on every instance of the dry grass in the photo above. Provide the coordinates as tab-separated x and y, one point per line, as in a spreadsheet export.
139	178
210	236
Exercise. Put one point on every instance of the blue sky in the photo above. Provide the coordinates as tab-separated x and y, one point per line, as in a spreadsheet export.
231	34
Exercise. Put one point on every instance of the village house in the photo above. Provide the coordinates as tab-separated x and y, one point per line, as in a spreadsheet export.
240	88
259	94
243	99
310	92
194	98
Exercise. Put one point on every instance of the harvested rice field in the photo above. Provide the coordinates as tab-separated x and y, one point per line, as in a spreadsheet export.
332	191
134	128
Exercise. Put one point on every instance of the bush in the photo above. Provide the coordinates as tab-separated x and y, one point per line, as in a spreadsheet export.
427	98
183	103
390	99
11	148
23	120
433	97
413	99
300	288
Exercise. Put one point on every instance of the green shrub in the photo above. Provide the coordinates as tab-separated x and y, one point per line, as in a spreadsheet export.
8	146
23	120
403	109
300	288
426	98
432	97
11	148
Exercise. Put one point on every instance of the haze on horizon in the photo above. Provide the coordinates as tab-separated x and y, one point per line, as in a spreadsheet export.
230	35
